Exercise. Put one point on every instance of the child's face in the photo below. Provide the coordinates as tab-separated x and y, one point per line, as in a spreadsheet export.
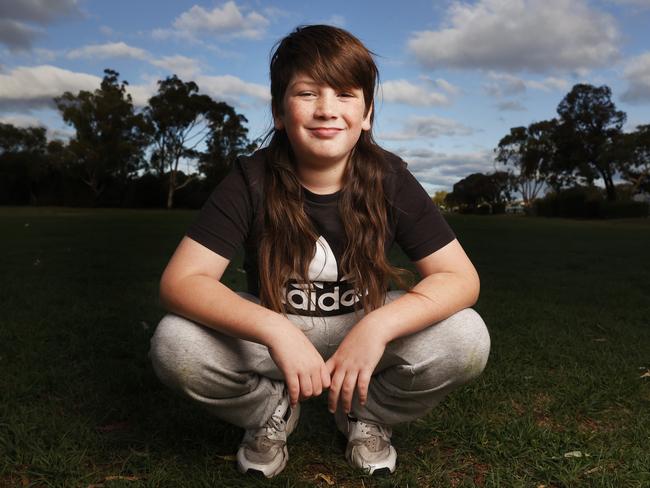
323	124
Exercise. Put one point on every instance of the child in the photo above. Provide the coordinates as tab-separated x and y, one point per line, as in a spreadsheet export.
316	212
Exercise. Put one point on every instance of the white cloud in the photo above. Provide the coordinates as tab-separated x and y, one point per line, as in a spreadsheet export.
36	86
227	20
141	93
428	127
233	90
637	74
505	84
511	106
186	68
447	87
439	171
18	18
21	120
514	35
108	50
403	91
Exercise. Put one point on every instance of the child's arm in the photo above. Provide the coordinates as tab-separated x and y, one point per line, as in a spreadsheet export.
190	287
449	283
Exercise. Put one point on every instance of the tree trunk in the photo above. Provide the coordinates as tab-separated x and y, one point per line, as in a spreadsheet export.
610	189
171	189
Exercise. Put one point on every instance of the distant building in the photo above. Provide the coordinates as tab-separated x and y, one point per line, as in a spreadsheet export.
516	208
641	197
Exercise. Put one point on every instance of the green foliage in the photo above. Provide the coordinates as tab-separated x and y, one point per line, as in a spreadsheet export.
110	138
587	203
481	193
181	120
529	153
587	134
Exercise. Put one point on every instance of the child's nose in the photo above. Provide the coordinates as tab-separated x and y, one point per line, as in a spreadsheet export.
325	106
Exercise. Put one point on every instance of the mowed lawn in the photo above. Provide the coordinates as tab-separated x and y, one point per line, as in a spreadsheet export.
564	401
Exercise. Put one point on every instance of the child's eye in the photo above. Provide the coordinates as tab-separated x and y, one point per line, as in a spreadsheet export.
346	95
305	94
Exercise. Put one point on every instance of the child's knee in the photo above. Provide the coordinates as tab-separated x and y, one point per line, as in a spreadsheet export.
468	343
175	352
451	352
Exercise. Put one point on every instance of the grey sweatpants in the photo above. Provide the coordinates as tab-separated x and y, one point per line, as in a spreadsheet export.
238	381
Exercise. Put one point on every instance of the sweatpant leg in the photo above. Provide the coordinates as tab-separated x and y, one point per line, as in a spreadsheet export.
234	379
418	371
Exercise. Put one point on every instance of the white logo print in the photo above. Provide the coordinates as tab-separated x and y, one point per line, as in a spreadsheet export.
327	295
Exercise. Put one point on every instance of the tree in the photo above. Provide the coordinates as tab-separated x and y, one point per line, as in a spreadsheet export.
634	163
182	122
588	129
480	189
439	199
23	162
226	141
530	152
110	137
179	120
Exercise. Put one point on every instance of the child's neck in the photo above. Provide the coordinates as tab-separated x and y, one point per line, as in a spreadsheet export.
322	181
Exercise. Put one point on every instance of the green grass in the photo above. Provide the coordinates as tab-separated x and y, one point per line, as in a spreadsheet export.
567	304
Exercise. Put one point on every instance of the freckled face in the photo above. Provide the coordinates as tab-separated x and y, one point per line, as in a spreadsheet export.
323	124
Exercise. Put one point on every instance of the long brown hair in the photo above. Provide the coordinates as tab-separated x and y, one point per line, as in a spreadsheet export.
334	57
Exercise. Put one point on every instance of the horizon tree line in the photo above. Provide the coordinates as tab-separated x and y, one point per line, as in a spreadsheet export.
118	153
117	150
584	143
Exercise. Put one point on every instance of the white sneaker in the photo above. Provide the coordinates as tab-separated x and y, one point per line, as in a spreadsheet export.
265	449
369	446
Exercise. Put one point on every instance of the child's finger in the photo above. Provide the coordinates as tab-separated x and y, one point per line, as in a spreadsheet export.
347	390
335	386
316	385
325	376
306	389
363	382
293	386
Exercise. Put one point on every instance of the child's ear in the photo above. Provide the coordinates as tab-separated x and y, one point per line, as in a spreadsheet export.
367	120
277	121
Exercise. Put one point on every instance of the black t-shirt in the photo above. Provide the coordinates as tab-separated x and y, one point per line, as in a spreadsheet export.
230	219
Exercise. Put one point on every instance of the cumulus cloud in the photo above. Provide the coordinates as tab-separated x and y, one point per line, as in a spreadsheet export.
439	171
35	87
20	20
403	91
225	21
21	120
233	90
637	74
186	68
505	84
514	35
108	50
511	106
428	127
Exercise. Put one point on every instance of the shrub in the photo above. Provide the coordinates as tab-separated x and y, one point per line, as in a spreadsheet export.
586	203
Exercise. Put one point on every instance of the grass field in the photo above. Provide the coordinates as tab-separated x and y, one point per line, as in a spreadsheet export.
564	401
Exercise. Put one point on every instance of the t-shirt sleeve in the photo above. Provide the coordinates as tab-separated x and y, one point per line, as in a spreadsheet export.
225	219
421	229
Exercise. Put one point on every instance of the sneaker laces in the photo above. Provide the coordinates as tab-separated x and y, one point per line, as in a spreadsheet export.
376	437
274	426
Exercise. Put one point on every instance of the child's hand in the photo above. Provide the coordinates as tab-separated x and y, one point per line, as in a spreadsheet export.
302	366
352	365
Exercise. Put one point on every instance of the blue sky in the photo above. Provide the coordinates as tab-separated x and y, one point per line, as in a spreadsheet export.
456	75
